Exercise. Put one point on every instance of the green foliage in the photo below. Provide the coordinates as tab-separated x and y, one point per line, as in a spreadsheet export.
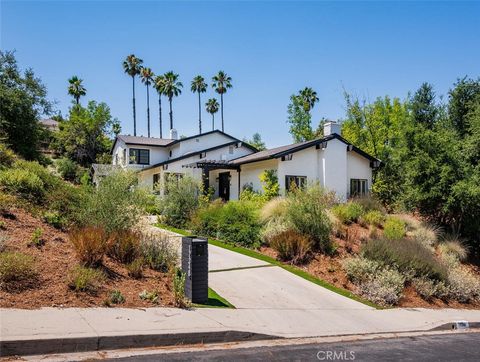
83	279
116	297
348	212
428	288
17	270
55	219
22	183
463	285
373	217
179	288
394	229
360	270
385	288
7	156
135	268
116	204
157	251
150	296
124	245
270	185
67	169
292	246
299	119
36	238
180	201
409	256
250	195
22	102
256	142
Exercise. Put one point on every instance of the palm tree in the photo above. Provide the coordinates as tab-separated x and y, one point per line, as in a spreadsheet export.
309	98
212	108
132	66
159	84
76	88
198	85
221	82
147	78
171	88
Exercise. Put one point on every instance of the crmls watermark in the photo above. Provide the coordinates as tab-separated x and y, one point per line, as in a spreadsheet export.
336	355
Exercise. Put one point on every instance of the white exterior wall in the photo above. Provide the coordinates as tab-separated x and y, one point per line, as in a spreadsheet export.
358	167
334	168
250	173
157	154
202	142
303	163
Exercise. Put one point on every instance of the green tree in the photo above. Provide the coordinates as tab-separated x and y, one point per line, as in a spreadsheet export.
132	66
147	79
159	85
76	88
221	82
424	109
299	119
257	142
85	135
23	99
172	87
308	97
269	180
212	108
199	86
461	102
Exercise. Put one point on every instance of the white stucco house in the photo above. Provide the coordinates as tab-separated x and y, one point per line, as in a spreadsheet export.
228	165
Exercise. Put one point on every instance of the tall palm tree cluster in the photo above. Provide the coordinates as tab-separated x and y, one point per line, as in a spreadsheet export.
168	85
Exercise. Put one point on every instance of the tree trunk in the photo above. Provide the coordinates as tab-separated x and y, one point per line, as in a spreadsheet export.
148	112
213	121
77	99
160	112
134	115
199	114
171	112
221	101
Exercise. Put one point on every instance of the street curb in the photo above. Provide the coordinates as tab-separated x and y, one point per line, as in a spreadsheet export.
454	326
97	343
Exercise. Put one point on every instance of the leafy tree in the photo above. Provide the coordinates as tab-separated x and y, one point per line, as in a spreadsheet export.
212	108
270	185
147	79
257	142
299	119
76	88
172	87
84	136
132	66
461	99
309	98
23	99
424	109
159	84
221	82
199	86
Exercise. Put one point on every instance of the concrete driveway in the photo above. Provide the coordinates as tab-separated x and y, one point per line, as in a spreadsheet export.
250	283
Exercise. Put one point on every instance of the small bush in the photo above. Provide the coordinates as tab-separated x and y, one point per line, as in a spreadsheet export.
67	169
427	235
53	218
151	296
157	252
274	209
116	297
23	183
206	219
7	201
17	270
36	238
428	288
455	248
7	156
370	203
348	212
83	279
292	246
269	180
135	268
124	245
271	229
250	195
408	255
394	229
90	244
385	288
306	214
3	225
179	288
360	270
372	217
463	286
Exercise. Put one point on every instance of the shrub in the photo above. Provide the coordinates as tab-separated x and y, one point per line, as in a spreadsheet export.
135	268
67	169
274	209
3	226
124	245
180	200
36	238
370	203
90	244
250	195
83	279
6	202
408	255
151	296
269	180
385	288
394	229
116	297
17	270
455	248
64	200
205	220
427	235
428	288
179	288
348	212
116	204
271	229
53	218
306	214
158	252
360	269
463	286
292	246
373	217
23	183
7	156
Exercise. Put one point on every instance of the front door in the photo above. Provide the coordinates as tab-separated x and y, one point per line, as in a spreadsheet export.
224	185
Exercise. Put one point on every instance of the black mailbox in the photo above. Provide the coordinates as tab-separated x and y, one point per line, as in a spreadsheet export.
195	266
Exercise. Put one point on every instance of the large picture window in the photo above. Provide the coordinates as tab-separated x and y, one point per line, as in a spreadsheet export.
358	187
292	182
139	156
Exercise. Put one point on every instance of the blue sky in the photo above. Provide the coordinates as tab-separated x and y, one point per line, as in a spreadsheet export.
270	49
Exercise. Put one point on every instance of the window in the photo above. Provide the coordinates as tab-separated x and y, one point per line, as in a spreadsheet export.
292	182
358	187
139	157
